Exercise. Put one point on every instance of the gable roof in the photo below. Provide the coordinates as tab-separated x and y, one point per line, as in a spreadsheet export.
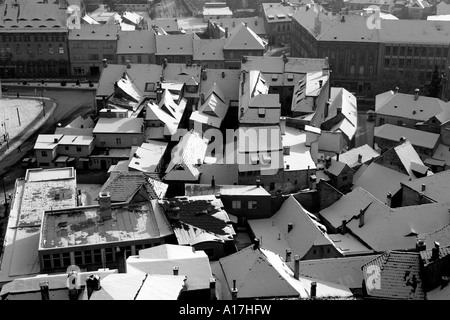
441	235
136	42
351	157
379	180
185	156
209	49
163	258
336	167
417	138
385	228
306	232
399	276
94	32
147	157
177	44
108	79
124	184
243	38
254	23
437	187
260	273
118	125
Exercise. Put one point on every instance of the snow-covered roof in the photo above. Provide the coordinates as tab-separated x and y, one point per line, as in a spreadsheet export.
417	138
147	157
351	157
119	125
243	38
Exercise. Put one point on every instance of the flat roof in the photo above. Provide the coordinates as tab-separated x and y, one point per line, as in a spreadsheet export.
41	175
83	226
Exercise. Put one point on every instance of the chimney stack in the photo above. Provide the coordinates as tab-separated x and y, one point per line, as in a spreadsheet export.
423	187
320	83
435	251
45	292
337	156
104	200
286	150
258	183
202	98
416	94
105	63
213	182
175	271
420	245
212	289
288	255
226	32
128	64
402	139
339	110
296	267
359	158
234	291
290	227
389	199
313	289
283	125
361	218
343	227
255	243
396	89
313	180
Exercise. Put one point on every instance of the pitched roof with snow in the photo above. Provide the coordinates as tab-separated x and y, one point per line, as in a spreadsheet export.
417	138
163	258
437	187
385	228
399	276
441	235
119	125
136	42
243	38
177	44
261	273
209	49
351	157
147	157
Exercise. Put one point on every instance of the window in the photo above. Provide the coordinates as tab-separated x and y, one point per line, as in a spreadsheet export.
344	178
395	51
409	51
56	260
118	141
78	258
381	121
236	204
39	49
252	204
128	251
61	49
50	48
97	256
150	87
191	89
47	261
352	69
109	57
77	45
139	59
66	148
44	153
107	45
400	123
78	71
78	149
272	186
87	257
109	255
93	56
66	259
92	45
123	59
388	51
402	51
18	49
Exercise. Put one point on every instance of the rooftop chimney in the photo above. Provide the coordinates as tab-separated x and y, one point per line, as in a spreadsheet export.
92	283
396	89
283	125
296	267
320	83
105	63
212	289
213	182
313	289
226	32
202	98
255	243
290	227
234	291
402	139
423	187
343	227
435	251
288	255
420	245
313	180
389	199
337	156
361	218
104	200
175	271
128	64
223	74
286	150
359	158
45	293
258	183
416	94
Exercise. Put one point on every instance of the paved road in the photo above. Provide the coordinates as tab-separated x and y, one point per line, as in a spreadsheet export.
71	104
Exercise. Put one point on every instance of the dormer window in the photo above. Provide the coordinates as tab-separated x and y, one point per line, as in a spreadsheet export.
191	89
262	112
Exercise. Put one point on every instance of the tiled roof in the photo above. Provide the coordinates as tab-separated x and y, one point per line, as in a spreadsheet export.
277	12
422	31
108	79
163	258
404	106
417	138
209	49
351	157
178	44
379	180
400	276
147	157
441	235
194	213
261	273
225	79
123	185
385	228
336	167
437	186
243	38
94	32
426	255
136	42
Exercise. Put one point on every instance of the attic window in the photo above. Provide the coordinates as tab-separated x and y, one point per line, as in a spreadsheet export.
254	159
414	112
93	31
290	77
261	112
274	77
395	106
